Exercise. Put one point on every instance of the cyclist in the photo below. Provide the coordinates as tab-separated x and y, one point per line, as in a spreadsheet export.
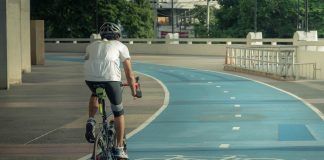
101	66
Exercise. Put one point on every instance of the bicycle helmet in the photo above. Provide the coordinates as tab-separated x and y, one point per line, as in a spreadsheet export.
110	31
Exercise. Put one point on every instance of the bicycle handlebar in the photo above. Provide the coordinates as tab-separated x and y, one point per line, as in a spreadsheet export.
137	87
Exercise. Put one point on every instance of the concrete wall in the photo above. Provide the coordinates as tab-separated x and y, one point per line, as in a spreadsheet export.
14	41
181	49
37	42
313	57
66	47
25	36
310	50
4	81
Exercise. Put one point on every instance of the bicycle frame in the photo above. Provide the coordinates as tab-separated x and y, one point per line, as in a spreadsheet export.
106	138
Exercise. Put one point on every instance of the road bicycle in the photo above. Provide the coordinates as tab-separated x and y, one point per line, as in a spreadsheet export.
105	139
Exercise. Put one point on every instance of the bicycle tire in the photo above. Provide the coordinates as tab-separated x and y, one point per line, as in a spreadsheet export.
99	148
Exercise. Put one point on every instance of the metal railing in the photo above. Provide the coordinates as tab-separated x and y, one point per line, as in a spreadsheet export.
276	61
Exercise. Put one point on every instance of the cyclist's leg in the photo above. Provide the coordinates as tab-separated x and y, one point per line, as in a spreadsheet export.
93	107
93	102
114	94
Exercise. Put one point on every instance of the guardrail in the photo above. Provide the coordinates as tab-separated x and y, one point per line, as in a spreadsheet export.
276	61
227	41
315	46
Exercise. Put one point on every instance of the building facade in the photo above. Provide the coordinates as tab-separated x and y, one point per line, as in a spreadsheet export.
174	16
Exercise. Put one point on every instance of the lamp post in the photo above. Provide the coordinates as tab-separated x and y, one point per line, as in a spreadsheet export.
255	15
97	16
172	16
208	17
306	15
155	4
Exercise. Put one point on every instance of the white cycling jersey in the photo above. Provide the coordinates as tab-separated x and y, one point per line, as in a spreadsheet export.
102	60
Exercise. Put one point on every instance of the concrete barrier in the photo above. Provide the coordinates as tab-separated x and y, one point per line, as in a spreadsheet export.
310	50
37	42
25	36
66	47
206	47
174	49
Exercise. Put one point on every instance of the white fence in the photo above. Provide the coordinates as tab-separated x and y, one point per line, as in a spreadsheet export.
278	61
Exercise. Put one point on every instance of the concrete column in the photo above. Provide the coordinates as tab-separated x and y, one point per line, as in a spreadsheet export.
14	41
37	42
302	36
94	37
4	81
252	37
25	36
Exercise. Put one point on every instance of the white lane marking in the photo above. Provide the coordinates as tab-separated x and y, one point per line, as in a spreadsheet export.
233	97
157	113
218	86
225	91
238	115
236	128
43	135
148	121
224	146
237	106
210	82
317	111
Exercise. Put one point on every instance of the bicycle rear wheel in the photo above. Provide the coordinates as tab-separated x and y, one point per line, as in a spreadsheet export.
100	148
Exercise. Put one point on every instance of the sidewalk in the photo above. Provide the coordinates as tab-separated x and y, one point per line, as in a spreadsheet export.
44	118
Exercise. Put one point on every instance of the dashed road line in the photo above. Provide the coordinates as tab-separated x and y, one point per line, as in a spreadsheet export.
238	116
224	146
236	128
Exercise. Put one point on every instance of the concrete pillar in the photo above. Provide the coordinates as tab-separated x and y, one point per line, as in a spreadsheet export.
302	36
4	81
37	42
14	41
94	37
172	38
252	37
25	36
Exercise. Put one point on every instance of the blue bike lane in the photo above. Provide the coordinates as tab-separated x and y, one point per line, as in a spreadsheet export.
216	116
213	115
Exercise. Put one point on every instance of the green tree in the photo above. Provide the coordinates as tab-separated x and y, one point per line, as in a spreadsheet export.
275	18
200	26
76	19
316	16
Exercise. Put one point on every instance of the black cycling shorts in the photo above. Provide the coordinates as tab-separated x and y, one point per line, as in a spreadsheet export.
113	91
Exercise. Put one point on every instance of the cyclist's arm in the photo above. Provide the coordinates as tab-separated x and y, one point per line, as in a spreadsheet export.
129	75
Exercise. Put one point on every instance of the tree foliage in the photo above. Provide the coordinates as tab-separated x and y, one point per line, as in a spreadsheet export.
76	19
275	18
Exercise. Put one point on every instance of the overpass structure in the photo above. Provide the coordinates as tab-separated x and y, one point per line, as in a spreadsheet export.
204	114
286	59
